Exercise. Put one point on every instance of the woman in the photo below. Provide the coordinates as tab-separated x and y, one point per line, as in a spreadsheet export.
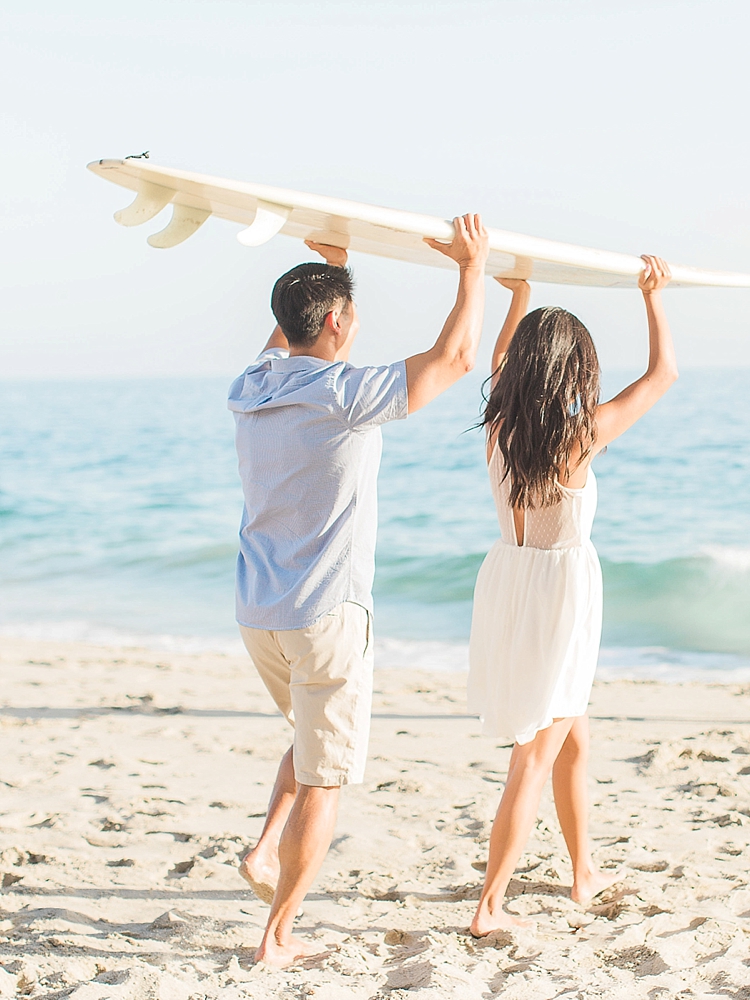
538	600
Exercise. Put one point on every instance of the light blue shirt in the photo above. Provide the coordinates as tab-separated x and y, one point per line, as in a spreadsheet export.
309	445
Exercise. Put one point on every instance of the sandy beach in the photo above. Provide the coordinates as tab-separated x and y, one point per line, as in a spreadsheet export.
133	781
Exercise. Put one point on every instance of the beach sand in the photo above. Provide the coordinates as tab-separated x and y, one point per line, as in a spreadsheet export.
133	781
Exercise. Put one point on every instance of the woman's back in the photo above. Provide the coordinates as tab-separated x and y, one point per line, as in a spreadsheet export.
564	525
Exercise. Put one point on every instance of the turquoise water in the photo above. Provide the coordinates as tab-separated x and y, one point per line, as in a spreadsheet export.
119	506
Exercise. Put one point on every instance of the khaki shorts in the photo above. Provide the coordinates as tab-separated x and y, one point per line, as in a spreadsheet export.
321	679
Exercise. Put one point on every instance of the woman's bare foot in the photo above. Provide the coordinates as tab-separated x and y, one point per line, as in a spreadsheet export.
588	886
485	923
280	956
261	875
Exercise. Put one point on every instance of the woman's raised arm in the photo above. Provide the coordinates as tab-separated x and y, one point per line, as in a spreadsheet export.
616	416
516	312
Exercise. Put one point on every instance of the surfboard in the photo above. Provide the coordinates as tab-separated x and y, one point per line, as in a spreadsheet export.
265	211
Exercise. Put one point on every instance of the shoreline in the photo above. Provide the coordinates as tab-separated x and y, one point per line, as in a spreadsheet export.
668	666
134	781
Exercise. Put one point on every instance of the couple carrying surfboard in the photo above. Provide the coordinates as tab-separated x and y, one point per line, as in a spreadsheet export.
309	444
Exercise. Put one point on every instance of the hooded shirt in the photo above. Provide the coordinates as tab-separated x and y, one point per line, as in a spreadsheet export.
309	445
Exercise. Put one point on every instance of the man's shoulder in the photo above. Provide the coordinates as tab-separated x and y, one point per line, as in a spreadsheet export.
366	373
373	394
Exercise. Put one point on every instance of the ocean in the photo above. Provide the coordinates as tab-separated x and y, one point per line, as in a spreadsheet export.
120	504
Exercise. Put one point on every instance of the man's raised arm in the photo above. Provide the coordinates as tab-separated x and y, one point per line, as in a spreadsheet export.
434	371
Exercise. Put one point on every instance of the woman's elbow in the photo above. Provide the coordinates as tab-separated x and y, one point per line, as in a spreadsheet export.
667	379
663	376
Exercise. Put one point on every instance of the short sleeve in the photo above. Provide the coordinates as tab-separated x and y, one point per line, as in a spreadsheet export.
370	397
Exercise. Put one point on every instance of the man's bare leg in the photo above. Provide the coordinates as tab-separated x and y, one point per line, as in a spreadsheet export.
570	787
529	769
260	867
303	846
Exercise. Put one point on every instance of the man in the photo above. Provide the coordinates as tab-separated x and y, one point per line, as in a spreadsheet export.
309	444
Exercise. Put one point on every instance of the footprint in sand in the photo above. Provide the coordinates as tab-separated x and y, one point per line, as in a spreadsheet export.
640	960
182	867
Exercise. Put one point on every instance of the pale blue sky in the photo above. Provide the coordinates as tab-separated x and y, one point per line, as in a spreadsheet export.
621	125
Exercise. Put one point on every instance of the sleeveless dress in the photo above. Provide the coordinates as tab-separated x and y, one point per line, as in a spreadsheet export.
537	617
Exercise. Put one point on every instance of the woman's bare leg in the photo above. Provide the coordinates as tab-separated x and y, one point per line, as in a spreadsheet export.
260	867
529	769
570	787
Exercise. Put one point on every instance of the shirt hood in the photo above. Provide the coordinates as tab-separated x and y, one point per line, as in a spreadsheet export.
276	380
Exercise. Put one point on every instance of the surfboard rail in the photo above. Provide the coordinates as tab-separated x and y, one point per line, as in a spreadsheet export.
265	211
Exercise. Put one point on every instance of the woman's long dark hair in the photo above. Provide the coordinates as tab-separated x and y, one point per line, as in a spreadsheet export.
543	406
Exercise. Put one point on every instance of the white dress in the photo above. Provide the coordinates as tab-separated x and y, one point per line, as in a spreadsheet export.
537	617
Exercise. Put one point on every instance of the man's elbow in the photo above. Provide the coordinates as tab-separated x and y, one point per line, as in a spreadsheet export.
463	363
457	369
455	365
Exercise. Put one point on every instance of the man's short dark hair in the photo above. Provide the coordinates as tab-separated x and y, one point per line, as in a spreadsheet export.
303	297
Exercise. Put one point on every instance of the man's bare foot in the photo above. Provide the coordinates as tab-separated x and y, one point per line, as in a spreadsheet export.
485	923
260	875
280	956
587	887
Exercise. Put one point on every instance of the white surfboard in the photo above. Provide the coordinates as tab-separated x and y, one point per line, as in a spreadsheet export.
265	211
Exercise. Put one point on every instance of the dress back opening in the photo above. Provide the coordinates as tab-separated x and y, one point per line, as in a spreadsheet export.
564	525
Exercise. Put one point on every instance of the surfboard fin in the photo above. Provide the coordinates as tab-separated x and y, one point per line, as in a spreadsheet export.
149	201
184	222
268	221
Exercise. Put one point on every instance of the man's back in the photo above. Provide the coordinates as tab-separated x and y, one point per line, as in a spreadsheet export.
309	447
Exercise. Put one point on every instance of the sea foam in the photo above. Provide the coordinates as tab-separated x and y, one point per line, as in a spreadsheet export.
653	663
